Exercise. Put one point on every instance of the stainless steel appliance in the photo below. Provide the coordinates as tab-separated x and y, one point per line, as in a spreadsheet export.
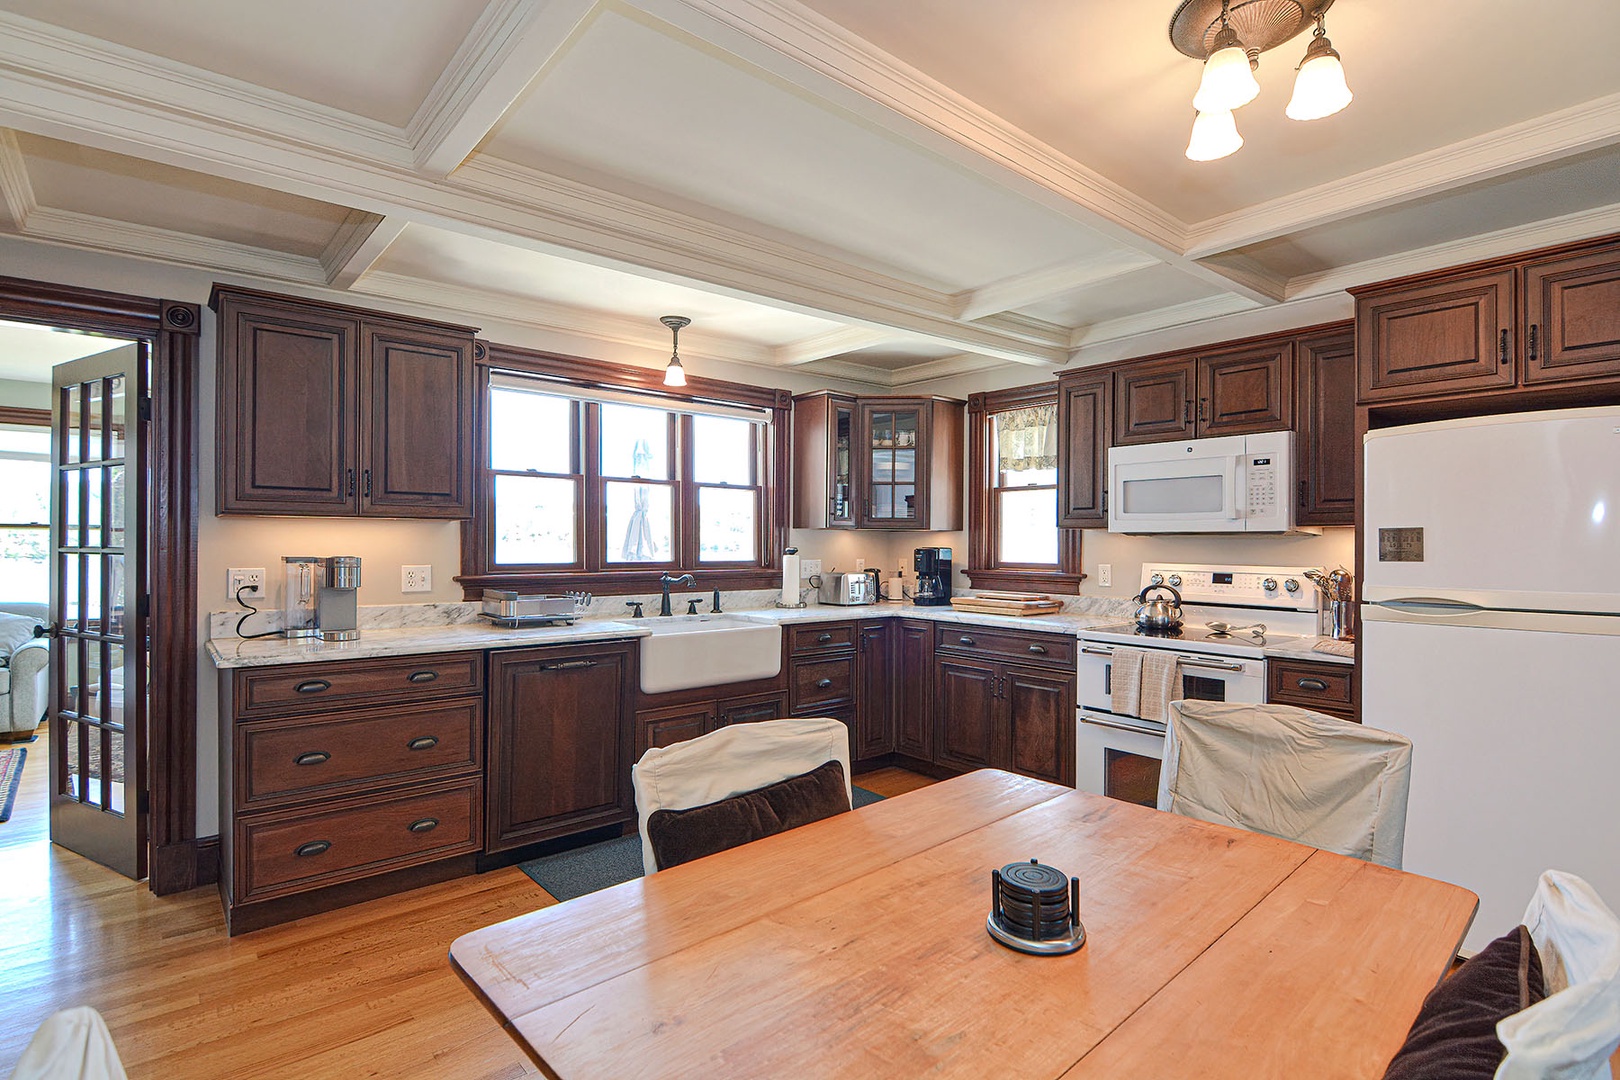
1119	755
1240	483
933	565
838	587
298	618
337	605
513	609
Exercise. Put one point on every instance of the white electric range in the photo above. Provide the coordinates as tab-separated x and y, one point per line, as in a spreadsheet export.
1119	755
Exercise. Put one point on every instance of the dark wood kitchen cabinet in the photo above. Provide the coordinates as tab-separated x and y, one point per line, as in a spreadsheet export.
874	711
994	711
334	411
914	689
824	461
559	741
1572	317
877	463
1153	401
1230	391
1326	446
1085	412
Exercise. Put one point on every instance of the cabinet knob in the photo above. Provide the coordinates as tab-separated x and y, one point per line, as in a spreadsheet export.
421	676
422	825
313	757
312	686
314	847
1311	684
823	684
424	742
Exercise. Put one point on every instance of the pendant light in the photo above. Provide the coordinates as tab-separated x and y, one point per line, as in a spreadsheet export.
1319	88
1228	81
675	374
1214	135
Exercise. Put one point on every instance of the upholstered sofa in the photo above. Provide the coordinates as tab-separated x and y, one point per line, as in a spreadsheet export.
22	669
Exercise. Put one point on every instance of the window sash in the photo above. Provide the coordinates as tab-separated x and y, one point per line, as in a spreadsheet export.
1029	411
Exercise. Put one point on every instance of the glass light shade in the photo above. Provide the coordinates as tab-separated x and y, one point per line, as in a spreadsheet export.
674	374
1228	81
1214	135
1319	88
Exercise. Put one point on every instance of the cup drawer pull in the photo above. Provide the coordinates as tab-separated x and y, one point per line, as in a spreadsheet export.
421	676
313	757
1311	684
314	847
422	825
312	686
824	637
964	640
1038	649
424	742
823	684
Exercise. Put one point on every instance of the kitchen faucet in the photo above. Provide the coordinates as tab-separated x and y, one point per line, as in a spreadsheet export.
666	581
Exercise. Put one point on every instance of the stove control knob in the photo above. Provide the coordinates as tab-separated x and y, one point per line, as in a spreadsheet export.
1175	581
1270	584
1156	579
1291	585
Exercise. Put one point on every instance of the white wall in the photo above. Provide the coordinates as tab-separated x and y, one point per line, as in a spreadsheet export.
26	395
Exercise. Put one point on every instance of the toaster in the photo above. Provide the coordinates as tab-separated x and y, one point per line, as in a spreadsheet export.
842	588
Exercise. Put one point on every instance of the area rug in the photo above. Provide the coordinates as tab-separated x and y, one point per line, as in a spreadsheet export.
11	766
568	874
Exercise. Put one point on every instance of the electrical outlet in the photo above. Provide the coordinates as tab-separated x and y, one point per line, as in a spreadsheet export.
250	576
1105	574
416	579
809	567
860	564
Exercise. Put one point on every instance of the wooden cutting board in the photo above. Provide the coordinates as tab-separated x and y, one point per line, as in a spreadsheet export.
1007	603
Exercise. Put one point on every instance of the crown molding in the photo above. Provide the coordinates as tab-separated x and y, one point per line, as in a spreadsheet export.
511	45
105	235
1503	242
16	190
1580	128
1131	326
1010	294
357	245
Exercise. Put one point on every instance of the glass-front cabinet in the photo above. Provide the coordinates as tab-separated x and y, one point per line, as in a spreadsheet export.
893	439
877	463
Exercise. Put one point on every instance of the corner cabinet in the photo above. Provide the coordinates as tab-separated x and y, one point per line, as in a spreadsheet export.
332	411
877	463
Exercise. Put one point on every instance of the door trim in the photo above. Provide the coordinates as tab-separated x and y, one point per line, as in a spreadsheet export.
171	331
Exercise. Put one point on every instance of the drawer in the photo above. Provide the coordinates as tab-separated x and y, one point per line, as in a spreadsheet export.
280	761
1057	650
290	853
1328	688
816	684
820	637
275	691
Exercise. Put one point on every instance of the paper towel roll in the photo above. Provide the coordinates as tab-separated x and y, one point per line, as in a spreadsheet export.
790	580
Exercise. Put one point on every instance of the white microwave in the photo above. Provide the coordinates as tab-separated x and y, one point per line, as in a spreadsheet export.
1240	483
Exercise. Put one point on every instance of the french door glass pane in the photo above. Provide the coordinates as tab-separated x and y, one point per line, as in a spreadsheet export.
115	594
71	410
635	443
71	610
534	520
721	450
93	481
115	509
1028	526
95	421
726	525
530	432
640	523
72	513
115	448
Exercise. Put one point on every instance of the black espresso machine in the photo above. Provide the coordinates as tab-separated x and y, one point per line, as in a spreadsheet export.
933	577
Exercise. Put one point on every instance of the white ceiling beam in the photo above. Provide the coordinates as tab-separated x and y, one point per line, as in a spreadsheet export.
1012	293
1209	307
850	339
16	190
1576	130
509	47
92	233
357	245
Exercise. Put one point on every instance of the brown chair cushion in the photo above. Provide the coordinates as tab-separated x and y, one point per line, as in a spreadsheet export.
1454	1035
680	836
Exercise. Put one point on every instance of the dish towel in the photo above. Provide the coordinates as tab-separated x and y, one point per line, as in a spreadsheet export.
1125	682
1161	678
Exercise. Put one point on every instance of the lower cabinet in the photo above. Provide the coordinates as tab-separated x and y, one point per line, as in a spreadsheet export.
1322	686
559	741
914	688
874	696
1001	714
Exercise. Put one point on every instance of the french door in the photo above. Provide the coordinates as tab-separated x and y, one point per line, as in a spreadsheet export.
98	572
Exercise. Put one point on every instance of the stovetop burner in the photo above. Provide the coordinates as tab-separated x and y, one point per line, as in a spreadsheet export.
1190	635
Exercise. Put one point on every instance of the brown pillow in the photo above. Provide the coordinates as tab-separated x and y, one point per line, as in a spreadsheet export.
1454	1035
680	836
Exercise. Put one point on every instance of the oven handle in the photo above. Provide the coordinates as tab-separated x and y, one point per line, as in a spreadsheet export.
1186	661
1145	727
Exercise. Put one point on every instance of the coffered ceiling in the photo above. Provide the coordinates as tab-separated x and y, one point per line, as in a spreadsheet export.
889	192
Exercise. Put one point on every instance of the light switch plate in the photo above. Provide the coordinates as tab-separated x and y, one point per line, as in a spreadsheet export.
416	579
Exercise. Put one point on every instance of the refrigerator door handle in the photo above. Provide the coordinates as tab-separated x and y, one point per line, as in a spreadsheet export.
1431	605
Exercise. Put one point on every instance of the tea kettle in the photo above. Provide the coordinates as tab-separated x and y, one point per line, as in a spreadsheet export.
1158	614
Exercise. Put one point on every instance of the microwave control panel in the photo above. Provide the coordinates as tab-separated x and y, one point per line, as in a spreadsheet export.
1262	470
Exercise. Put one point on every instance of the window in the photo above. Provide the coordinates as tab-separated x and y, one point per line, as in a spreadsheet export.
25	513
592	486
1013	448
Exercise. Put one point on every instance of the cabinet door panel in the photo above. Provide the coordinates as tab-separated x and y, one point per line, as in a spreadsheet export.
1040	724
1326	446
673	724
874	733
893	439
558	742
1572	317
1248	390
287	393
1153	402
1084	431
968	708
1439	338
750	710
419	425
914	684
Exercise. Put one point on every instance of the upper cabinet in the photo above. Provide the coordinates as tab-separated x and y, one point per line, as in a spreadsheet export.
1085	411
1155	401
1539	319
1325	448
333	411
1202	395
877	463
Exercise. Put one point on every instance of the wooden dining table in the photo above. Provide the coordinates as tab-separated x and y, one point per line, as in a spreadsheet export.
856	947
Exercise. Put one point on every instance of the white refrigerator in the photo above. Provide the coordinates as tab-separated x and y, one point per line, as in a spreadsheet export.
1490	622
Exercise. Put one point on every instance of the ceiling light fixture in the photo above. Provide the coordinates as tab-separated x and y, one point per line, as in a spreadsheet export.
675	374
1229	36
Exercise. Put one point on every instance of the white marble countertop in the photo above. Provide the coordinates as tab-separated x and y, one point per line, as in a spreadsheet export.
1304	648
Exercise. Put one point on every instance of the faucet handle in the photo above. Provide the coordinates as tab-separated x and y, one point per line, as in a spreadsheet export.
636	604
691	606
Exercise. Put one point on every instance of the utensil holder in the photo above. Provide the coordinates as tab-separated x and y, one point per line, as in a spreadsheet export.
1342	619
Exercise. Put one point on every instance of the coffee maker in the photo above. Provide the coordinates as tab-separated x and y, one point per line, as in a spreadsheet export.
933	577
337	612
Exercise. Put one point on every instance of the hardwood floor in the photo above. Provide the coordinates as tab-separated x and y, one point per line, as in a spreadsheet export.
365	991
